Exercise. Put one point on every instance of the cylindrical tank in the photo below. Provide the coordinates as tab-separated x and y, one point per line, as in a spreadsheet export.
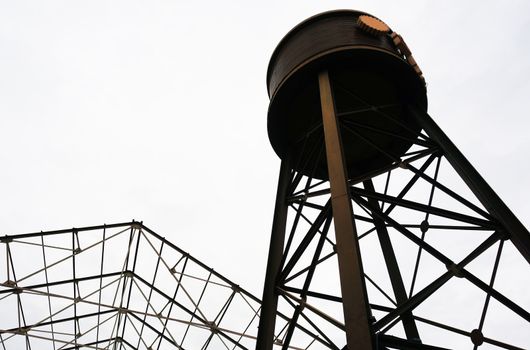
373	82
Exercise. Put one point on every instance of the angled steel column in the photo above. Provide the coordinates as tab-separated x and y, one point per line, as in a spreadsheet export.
392	267
486	195
354	297
269	305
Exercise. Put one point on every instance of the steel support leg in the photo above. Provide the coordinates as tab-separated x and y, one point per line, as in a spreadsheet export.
490	200
393	267
354	297
269	304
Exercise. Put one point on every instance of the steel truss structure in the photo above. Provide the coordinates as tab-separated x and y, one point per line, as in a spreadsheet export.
119	286
443	261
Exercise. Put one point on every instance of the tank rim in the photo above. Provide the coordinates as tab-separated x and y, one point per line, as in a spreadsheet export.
320	55
302	24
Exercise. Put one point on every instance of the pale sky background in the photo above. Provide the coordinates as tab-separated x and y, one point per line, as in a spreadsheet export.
156	111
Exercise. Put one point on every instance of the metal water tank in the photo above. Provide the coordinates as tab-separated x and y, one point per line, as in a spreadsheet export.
374	78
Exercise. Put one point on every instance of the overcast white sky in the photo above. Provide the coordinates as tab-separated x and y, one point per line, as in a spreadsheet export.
156	111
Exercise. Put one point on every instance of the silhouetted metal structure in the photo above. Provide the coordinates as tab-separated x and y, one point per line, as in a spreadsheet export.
119	286
362	158
384	236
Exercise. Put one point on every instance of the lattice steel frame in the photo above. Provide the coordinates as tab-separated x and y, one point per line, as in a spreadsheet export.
304	199
119	286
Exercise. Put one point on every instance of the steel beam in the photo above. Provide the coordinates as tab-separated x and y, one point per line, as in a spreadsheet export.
490	200
269	305
393	268
354	297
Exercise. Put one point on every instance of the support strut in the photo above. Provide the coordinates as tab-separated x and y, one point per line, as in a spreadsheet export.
354	297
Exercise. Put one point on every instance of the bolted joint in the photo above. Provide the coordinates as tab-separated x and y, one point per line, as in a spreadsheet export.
424	226
302	305
455	270
136	225
477	338
505	235
22	330
10	283
213	327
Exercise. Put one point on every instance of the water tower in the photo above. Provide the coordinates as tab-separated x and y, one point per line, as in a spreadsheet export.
362	158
